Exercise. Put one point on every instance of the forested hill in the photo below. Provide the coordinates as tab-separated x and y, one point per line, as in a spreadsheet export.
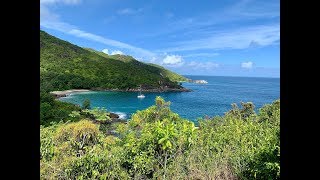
149	66
67	66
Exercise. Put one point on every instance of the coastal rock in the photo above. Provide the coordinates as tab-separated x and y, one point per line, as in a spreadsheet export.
113	116
58	95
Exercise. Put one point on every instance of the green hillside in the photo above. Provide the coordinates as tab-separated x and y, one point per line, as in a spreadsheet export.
67	66
149	66
167	73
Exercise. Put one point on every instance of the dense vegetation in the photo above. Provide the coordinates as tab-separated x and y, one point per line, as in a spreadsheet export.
67	66
158	144
54	111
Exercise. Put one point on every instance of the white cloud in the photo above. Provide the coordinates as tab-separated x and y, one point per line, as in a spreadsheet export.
116	52
113	52
107	41
236	39
153	60
129	11
247	65
106	51
172	60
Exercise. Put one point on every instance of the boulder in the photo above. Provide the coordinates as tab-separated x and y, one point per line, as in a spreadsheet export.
113	115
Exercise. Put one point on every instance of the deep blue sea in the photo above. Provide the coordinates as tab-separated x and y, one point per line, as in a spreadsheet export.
214	98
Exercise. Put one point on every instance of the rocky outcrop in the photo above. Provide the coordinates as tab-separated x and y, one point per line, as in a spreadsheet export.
58	95
113	116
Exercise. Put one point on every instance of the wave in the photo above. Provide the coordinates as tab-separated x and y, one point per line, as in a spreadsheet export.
122	115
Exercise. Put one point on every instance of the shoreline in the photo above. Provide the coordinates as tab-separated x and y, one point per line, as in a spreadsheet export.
145	90
65	93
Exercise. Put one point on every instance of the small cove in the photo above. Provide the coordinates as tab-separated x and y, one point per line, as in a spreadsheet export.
214	98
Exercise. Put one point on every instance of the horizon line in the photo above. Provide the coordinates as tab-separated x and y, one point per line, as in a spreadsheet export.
232	76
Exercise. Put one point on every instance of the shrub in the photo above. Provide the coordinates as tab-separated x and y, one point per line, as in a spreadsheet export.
55	111
98	164
98	114
158	144
78	135
153	138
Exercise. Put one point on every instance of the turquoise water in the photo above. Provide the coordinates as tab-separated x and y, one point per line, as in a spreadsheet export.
214	98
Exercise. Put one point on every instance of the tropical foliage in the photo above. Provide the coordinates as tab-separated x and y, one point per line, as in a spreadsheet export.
97	114
55	111
158	144
66	66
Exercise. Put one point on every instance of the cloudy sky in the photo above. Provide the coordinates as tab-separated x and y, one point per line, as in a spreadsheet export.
225	38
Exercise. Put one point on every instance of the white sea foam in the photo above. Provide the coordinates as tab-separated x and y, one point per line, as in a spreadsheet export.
122	115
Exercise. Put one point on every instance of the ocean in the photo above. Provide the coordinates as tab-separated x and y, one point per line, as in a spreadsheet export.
212	99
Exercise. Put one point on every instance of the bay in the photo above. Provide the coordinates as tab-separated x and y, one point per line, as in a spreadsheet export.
212	99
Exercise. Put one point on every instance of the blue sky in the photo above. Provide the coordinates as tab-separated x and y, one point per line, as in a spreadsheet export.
207	37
